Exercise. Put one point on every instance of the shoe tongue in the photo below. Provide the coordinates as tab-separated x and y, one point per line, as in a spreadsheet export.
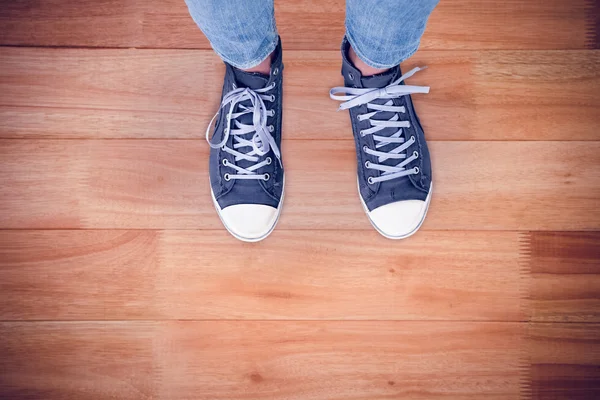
252	80
379	80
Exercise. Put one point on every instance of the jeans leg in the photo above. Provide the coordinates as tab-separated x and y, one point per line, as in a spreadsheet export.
384	33
242	33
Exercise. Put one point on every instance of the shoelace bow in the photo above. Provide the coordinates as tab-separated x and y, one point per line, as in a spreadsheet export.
259	143
356	97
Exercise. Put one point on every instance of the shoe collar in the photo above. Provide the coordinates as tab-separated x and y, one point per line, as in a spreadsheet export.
353	77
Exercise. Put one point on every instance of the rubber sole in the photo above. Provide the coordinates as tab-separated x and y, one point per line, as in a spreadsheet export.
427	201
242	238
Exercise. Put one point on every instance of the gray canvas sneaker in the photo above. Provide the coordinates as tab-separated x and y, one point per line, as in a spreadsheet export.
245	167
394	168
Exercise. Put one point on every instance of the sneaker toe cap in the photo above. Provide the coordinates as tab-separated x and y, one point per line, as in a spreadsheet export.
400	219
249	222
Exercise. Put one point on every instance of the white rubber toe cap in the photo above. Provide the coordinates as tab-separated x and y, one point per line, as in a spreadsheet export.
400	219
249	222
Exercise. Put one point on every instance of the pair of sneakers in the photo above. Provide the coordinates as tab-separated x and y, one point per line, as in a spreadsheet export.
246	170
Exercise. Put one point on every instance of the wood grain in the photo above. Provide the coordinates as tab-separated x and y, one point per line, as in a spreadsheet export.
298	360
498	95
77	360
508	276
306	25
70	275
159	184
261	360
118	281
565	361
565	275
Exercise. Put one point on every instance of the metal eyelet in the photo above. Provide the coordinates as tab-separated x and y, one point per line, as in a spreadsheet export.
416	170
234	86
270	113
276	71
370	180
350	76
412	137
225	162
365	148
271	128
269	161
272	99
367	164
362	133
358	118
227	177
266	177
416	154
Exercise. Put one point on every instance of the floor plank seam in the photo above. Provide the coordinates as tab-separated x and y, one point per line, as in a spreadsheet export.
524	260
590	43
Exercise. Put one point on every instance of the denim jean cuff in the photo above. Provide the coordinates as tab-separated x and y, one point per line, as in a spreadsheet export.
264	52
381	59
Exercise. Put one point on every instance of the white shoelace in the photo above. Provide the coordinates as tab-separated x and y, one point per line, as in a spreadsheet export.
262	140
355	97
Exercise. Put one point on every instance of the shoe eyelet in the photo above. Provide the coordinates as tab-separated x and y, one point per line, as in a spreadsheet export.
227	177
223	148
276	71
362	133
367	164
271	128
365	148
370	180
266	177
272	99
350	76
416	154
234	86
412	137
269	161
416	170
358	118
272	86
225	162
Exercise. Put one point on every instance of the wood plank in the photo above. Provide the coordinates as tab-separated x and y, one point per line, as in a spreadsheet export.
82	93
261	360
565	275
158	184
103	23
310	24
565	361
518	95
298	360
70	275
77	360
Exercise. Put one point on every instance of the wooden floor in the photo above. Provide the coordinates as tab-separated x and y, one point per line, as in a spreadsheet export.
118	281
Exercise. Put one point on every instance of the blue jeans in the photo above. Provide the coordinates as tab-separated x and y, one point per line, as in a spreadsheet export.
383	33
